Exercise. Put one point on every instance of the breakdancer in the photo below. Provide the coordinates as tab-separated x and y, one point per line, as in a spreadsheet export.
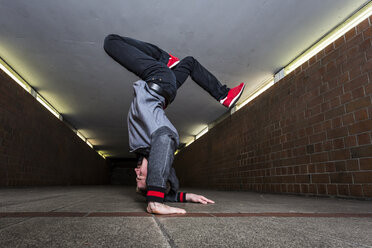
151	135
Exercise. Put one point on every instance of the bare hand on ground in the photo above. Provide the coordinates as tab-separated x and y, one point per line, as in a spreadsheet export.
190	197
159	208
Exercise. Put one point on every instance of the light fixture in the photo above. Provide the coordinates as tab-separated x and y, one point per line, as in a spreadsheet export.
350	23
89	144
204	131
81	136
48	106
336	33
19	80
264	86
190	142
102	154
11	73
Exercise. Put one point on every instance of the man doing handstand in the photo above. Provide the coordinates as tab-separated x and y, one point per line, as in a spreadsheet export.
151	135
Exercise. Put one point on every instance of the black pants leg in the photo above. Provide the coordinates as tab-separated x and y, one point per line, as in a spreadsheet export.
149	61
147	48
145	60
200	75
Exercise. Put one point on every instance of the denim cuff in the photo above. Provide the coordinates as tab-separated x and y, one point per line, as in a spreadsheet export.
155	194
181	196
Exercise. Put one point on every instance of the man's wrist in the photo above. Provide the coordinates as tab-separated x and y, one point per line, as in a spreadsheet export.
182	197
155	194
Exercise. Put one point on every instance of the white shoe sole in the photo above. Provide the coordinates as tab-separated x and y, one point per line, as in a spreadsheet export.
174	64
232	104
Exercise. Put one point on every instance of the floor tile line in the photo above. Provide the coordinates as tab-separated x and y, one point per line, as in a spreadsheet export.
72	204
351	243
15	223
166	235
213	215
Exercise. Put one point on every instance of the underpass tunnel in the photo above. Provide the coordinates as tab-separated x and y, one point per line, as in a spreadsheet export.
289	165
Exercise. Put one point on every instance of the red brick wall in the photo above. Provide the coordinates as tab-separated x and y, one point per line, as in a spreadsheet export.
308	134
38	149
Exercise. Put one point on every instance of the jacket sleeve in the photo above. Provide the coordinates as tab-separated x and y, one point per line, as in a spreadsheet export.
174	195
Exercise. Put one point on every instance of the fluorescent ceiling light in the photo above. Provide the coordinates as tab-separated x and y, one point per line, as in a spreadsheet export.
204	131
89	144
350	23
80	136
102	154
336	33
11	73
48	106
190	142
19	80
267	84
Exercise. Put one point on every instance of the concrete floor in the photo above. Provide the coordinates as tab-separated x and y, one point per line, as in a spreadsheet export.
112	216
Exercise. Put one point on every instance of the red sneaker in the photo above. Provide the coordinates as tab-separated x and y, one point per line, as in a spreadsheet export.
172	61
233	96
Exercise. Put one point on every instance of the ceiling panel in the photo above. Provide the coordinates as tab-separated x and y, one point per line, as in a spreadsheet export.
57	47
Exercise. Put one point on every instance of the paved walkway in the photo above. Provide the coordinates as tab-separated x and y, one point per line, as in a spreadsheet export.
112	216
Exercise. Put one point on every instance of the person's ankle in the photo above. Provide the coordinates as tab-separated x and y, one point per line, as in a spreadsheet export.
153	204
